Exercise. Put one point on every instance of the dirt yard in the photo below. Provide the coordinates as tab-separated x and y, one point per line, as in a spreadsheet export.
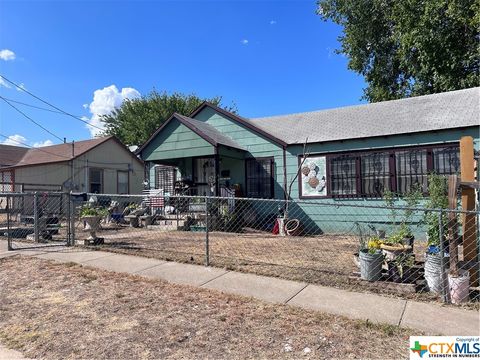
65	311
327	259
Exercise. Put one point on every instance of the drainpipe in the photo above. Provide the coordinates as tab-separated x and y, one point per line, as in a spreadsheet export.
285	172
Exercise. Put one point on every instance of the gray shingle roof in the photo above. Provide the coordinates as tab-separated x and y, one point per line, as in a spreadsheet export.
210	132
447	110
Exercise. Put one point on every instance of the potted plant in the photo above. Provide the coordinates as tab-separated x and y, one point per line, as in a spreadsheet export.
402	269
398	243
401	241
92	217
437	227
371	259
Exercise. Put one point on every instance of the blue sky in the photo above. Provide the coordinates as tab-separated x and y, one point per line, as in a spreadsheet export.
269	57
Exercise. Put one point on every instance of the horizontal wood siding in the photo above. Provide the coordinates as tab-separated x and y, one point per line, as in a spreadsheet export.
256	145
328	215
176	141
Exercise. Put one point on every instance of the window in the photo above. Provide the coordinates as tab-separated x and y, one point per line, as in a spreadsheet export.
165	179
375	173
343	175
369	173
122	182
412	170
446	161
259	178
95	179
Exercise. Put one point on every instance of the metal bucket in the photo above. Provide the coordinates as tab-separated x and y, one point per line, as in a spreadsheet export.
433	272
370	265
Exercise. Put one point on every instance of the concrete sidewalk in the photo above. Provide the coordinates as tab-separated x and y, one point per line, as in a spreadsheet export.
431	318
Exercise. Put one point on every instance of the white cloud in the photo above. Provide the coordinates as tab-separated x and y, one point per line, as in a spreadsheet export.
7	55
85	106
20	140
21	86
244	42
14	140
104	102
4	83
272	22
42	143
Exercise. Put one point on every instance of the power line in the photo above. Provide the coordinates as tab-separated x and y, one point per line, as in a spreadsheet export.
36	148
33	106
29	118
49	104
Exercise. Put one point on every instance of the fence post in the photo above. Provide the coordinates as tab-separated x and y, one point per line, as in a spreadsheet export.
71	219
9	236
69	225
443	273
207	245
36	217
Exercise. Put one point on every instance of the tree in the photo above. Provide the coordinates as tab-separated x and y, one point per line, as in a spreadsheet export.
137	119
408	47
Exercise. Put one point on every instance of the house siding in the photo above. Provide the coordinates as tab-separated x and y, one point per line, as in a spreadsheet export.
323	214
256	145
176	141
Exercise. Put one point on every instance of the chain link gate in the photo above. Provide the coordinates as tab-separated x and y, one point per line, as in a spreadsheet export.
36	220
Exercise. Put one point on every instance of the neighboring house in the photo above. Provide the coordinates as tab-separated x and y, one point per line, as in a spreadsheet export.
355	153
100	165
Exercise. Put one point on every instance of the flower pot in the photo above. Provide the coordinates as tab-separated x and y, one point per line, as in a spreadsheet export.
370	265
392	251
93	223
433	272
459	287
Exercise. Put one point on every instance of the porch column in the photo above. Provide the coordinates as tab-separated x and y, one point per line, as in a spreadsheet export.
217	172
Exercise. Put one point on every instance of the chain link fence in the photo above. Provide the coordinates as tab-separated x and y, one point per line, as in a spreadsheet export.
37	219
408	252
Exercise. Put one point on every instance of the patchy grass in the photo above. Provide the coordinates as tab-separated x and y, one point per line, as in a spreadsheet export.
324	259
57	311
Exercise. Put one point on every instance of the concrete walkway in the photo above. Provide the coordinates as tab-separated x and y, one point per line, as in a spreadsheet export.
431	318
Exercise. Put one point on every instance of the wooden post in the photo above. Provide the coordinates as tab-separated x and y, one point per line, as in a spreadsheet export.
467	173
452	224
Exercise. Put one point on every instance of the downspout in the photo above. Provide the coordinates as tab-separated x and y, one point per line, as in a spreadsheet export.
285	172
72	177
86	175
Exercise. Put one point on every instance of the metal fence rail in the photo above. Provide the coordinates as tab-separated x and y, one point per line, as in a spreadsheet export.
387	249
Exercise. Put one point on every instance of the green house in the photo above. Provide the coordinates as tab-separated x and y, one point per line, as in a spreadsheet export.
353	154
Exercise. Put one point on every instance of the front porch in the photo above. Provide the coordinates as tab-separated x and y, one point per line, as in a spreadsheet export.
190	157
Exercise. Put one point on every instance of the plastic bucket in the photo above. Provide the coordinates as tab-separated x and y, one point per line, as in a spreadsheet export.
433	273
459	287
370	265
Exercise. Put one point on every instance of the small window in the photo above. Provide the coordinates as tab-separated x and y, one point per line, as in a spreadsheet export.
412	170
122	182
446	161
259	176
95	180
165	179
343	175
375	173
